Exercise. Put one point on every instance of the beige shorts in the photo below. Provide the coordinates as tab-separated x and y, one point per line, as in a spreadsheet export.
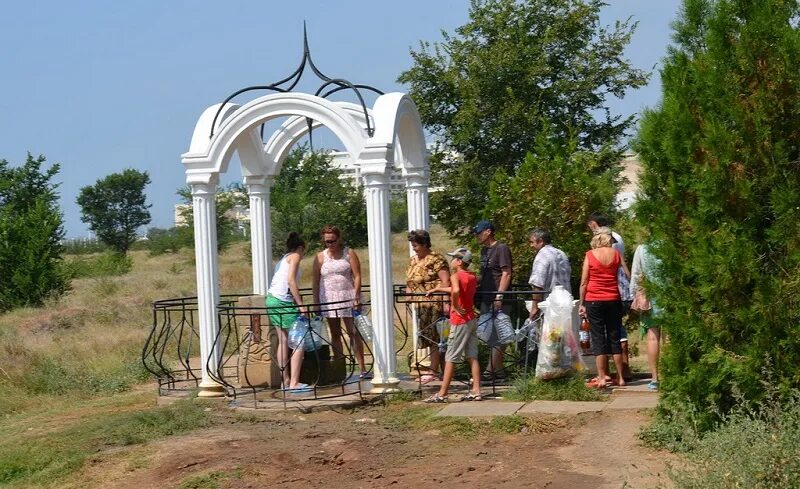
463	340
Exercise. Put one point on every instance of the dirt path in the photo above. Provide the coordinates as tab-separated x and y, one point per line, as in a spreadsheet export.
342	450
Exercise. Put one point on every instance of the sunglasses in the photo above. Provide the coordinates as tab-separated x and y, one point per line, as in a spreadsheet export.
330	241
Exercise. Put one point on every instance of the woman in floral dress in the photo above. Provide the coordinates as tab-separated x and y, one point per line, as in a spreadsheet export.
337	280
427	270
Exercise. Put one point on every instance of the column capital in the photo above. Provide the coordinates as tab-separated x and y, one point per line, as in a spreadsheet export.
417	178
255	180
202	183
376	159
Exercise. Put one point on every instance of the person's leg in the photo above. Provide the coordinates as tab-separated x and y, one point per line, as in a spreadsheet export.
283	354
475	366
297	364
357	342
612	312
336	336
653	344
449	371
498	352
626	367
599	339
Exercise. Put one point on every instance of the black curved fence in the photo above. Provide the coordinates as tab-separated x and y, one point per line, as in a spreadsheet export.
336	360
513	357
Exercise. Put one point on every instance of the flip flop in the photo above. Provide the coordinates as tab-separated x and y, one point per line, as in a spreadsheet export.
300	388
427	378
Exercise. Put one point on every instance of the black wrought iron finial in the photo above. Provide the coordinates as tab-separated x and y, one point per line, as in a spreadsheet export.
333	85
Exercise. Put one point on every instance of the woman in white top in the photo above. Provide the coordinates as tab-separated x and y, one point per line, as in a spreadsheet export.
284	305
337	283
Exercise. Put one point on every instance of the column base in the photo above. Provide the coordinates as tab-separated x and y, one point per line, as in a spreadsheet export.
210	389
389	386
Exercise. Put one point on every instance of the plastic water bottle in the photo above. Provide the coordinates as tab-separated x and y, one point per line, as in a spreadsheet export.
316	336
505	330
363	325
297	332
443	330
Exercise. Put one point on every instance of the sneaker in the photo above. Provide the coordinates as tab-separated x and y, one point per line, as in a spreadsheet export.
653	385
365	375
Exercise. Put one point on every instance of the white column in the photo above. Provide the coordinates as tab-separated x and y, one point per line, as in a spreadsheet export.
417	199
418	218
258	187
375	169
205	245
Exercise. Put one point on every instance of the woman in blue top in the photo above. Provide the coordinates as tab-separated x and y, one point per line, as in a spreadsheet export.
284	304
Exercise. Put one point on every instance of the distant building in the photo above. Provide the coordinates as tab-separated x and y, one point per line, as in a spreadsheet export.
631	168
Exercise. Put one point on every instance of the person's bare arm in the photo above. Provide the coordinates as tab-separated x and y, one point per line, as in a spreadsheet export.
455	297
444	277
355	266
316	274
584	285
505	284
294	262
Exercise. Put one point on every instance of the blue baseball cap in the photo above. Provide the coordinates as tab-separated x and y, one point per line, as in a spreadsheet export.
482	226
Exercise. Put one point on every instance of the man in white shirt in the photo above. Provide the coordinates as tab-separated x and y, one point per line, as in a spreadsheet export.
550	268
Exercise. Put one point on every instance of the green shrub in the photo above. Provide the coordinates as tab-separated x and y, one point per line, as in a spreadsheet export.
105	265
757	449
720	197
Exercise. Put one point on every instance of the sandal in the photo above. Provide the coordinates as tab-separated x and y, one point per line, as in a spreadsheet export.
435	399
472	397
428	378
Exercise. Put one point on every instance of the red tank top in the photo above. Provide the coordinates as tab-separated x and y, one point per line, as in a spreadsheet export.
467	284
602	279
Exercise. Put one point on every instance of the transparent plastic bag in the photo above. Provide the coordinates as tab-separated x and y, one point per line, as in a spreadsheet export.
363	325
559	353
530	333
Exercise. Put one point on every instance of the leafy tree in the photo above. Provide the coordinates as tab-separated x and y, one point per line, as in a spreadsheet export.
115	207
721	197
556	187
485	91
308	194
31	230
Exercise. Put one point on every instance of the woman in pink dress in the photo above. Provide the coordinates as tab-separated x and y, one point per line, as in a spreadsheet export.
337	280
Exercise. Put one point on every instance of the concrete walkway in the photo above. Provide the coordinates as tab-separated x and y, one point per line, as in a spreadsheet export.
634	399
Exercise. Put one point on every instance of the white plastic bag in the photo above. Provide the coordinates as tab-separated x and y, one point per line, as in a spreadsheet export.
559	351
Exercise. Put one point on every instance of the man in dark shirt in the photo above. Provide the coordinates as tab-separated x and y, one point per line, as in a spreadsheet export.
496	268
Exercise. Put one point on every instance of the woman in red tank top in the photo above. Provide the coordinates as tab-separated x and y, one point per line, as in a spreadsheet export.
601	304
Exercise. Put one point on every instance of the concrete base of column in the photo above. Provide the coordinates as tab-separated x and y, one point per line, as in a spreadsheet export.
210	389
389	386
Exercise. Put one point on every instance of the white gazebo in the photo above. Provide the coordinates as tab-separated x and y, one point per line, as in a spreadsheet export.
378	139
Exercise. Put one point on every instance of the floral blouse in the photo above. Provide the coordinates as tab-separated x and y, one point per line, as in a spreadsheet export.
423	274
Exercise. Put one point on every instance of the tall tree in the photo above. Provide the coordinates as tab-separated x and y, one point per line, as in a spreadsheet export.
486	91
721	198
116	207
31	230
556	187
308	194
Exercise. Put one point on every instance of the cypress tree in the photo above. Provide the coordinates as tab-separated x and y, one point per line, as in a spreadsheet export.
720	195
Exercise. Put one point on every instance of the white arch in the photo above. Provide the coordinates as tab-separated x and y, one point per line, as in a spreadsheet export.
214	154
277	148
398	138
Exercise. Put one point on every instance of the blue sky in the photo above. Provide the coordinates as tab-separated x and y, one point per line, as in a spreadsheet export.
103	86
